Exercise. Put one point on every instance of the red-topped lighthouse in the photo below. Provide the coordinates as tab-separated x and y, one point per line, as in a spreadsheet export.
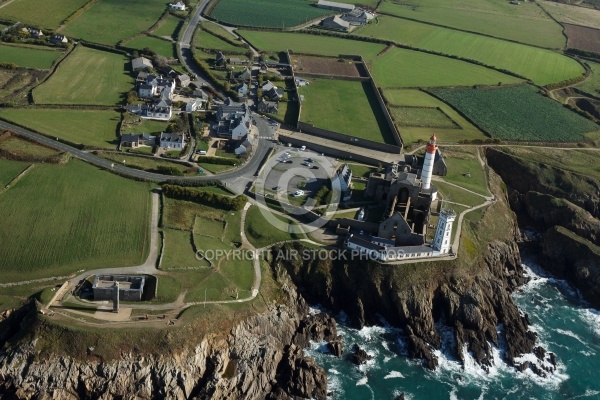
428	163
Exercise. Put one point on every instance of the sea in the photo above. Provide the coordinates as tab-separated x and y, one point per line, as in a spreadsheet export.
566	325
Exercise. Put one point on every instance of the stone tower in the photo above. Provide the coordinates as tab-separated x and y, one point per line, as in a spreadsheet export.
428	163
443	233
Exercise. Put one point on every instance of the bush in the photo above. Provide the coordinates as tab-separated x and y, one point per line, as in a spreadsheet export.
219	160
215	200
165	170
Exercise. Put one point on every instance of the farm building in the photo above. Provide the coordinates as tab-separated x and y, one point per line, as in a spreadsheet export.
179	6
335	23
332	5
141	63
58	39
358	16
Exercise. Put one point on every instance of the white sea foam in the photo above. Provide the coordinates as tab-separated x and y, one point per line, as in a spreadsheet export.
362	381
570	334
393	374
591	317
334	371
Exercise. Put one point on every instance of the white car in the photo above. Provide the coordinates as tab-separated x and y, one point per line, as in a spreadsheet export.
298	193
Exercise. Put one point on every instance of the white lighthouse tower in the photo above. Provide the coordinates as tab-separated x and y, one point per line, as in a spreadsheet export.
428	163
441	241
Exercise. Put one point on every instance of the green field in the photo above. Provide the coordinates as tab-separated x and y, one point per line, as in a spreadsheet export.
416	98
526	23
424	117
457	195
464	169
169	27
9	170
25	148
592	84
205	40
519	113
261	233
218	30
408	68
540	65
87	76
159	46
62	218
133	124
109	21
267	13
90	127
310	44
30	57
350	108
150	164
42	13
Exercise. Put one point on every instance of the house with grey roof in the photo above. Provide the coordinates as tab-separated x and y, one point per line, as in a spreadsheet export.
184	80
174	141
358	17
59	39
244	75
268	107
141	63
242	89
243	148
194	105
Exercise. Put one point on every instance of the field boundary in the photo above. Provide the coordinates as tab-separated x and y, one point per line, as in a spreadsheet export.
16	178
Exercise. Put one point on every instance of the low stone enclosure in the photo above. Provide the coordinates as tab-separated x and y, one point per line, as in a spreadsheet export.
131	287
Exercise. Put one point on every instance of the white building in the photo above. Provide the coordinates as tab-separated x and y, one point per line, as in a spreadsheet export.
443	233
242	90
195	105
179	6
332	5
174	141
155	86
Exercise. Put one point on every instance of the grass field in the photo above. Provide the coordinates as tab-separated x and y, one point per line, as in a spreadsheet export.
540	65
144	163
218	30
457	195
261	233
109	21
87	76
572	14
9	170
42	13
519	113
205	40
90	127
266	13
592	84
351	108
30	57
169	27
416	98
526	23
25	148
424	117
463	162
96	219
310	44
159	46
408	68
134	124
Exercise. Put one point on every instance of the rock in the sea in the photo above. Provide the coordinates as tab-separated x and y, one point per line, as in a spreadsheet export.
336	347
359	356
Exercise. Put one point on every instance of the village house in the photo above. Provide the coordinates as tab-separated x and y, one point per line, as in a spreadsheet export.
234	121
194	105
174	141
136	140
242	90
33	32
141	63
59	39
244	148
238	61
179	6
272	91
156	85
184	80
267	107
245	75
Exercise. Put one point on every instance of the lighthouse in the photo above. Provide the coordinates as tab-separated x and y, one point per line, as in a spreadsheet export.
428	163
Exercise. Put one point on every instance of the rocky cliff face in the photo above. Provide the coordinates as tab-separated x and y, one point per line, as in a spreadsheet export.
564	205
470	303
575	259
257	360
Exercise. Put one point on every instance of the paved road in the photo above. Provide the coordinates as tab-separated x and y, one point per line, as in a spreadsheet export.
247	170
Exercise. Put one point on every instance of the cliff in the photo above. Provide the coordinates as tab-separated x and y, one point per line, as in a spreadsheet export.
570	257
469	296
255	360
563	204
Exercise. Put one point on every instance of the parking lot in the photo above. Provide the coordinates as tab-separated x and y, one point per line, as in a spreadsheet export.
293	175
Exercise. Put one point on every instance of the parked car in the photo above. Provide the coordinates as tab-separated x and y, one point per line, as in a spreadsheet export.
306	164
303	148
201	152
310	160
314	167
298	193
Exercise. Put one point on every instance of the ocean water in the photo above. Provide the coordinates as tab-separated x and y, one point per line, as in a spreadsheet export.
565	324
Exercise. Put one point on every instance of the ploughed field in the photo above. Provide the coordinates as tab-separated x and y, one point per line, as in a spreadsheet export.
584	38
